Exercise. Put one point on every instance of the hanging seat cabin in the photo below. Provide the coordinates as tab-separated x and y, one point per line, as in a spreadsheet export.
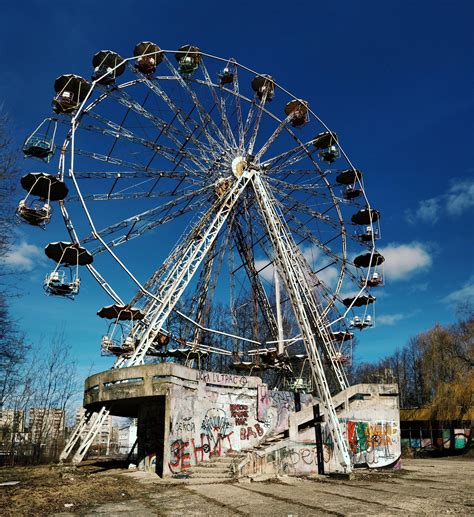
108	65
340	358
37	213
71	90
341	336
349	178
359	301
351	193
368	234
369	260
161	340
64	279
116	341
186	353
60	284
326	142
47	188
264	87
40	144
299	384
360	324
366	216
148	56
188	58
375	280
226	76
298	111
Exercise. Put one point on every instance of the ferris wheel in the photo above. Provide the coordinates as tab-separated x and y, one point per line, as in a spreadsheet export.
216	209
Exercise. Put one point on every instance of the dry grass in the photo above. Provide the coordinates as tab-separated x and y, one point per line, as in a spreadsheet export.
46	489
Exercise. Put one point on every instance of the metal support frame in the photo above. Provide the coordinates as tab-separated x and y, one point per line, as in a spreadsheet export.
199	241
96	420
305	307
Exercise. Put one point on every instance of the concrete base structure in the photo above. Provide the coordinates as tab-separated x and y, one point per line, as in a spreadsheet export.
187	417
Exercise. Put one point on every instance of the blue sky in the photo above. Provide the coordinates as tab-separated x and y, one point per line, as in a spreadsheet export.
394	79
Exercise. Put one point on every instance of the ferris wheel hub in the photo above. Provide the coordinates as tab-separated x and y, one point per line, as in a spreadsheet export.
239	165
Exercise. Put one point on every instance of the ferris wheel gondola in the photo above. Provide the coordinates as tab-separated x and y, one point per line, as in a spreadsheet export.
119	340
148	57
42	189
64	280
71	90
40	144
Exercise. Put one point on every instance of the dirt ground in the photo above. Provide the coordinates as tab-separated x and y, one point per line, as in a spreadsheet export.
423	487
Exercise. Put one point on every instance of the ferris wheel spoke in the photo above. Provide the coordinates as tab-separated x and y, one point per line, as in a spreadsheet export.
301	229
305	209
238	109
211	150
148	214
312	189
123	195
290	157
125	99
140	168
166	152
137	231
219	140
219	102
117	130
154	280
256	124
272	138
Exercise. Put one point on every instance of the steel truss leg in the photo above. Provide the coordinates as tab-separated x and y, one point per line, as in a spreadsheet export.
96	421
96	425
289	261
76	435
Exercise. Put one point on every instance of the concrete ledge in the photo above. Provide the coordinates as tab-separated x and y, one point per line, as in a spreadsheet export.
123	389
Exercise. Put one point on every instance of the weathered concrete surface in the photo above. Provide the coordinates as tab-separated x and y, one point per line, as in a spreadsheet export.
424	487
187	417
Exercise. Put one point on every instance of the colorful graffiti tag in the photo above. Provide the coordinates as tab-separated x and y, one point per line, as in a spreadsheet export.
371	442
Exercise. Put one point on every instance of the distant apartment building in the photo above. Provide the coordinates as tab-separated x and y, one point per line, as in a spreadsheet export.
12	420
127	436
45	424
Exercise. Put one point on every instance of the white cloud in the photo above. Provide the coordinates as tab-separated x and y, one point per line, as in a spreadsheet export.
466	293
329	276
403	260
458	199
428	210
23	257
389	319
266	273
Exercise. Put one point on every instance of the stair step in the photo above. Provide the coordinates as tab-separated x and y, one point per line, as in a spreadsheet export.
211	475
209	468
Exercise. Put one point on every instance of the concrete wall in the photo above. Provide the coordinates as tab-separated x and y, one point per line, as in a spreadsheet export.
188	416
210	420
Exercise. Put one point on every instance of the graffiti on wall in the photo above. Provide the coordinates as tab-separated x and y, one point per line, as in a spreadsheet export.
263	402
372	442
222	379
240	413
185	425
249	432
